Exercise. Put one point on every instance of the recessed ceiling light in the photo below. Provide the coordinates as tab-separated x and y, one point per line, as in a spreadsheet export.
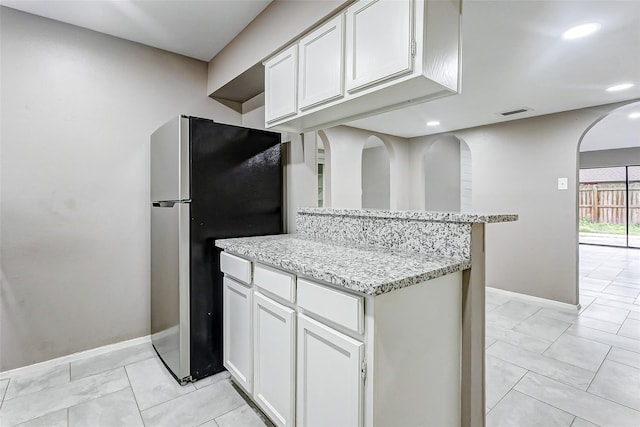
433	123
635	115
622	86
582	30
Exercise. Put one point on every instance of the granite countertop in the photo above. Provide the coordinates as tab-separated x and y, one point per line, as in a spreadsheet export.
413	215
369	270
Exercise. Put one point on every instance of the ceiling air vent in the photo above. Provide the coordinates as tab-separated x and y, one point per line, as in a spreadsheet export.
512	112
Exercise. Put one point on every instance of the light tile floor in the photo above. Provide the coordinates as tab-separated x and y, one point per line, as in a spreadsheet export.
545	367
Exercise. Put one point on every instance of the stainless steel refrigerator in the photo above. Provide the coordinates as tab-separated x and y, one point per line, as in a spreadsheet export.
208	181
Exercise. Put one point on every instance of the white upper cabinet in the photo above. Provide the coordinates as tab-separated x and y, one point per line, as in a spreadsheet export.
321	64
379	41
373	57
281	85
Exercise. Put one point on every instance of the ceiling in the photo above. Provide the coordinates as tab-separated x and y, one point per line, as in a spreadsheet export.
195	28
513	55
616	130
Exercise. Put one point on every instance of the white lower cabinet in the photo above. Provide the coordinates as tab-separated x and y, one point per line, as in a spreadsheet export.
330	384
237	331
274	364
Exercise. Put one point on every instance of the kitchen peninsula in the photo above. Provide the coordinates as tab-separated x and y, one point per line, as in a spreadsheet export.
362	318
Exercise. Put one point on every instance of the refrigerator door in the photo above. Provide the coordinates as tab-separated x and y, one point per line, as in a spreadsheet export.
170	275
236	191
170	161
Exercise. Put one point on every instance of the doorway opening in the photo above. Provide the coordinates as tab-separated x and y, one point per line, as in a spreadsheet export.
609	209
609	180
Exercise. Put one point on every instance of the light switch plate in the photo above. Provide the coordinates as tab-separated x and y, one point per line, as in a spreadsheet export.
563	183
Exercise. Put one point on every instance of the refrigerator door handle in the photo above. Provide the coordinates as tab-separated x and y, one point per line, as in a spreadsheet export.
163	204
168	204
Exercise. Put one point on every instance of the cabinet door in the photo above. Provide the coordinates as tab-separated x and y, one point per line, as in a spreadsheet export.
330	385
237	330
321	64
274	359
379	41
280	85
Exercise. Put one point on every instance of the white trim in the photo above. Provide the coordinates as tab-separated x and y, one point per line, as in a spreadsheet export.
77	356
537	300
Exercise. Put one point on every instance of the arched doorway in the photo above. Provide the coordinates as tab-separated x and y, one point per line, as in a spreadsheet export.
609	180
447	175
376	175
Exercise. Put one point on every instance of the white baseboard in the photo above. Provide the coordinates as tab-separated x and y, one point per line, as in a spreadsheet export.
77	356
537	300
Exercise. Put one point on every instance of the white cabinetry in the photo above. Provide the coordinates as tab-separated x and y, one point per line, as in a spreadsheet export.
375	53
321	64
375	56
274	359
312	355
330	384
237	331
281	85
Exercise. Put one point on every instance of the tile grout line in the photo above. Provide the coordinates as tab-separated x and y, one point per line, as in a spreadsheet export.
583	391
534	398
508	391
599	367
5	393
135	398
174	398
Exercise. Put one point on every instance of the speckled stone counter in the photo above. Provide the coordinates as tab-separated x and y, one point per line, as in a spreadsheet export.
368	251
442	234
376	252
369	270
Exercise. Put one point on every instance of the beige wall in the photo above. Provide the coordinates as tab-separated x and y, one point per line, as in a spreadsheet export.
441	163
515	168
375	178
77	111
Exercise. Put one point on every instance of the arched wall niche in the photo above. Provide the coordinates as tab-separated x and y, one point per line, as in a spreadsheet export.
344	148
446	175
376	169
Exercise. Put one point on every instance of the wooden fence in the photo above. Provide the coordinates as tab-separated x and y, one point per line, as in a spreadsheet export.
607	202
